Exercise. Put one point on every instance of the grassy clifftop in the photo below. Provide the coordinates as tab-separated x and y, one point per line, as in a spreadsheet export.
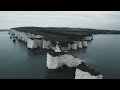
67	30
63	33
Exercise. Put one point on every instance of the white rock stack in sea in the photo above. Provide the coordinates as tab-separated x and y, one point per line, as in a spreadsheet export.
83	72
84	44
74	46
57	61
32	43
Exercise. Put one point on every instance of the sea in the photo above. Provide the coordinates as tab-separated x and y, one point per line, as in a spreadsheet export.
19	62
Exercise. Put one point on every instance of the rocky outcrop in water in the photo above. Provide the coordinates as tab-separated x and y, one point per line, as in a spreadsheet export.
83	72
57	58
31	40
84	44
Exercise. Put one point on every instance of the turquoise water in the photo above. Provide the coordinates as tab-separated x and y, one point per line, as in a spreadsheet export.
18	62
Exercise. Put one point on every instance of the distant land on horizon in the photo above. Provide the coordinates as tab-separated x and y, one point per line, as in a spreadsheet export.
4	29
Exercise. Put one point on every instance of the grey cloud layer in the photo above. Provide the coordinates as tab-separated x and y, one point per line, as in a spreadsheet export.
85	19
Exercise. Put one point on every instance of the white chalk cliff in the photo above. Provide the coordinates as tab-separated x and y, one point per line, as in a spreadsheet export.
79	44
54	62
74	46
79	74
32	43
84	43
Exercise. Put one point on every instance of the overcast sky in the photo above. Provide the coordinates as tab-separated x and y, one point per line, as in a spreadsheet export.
83	19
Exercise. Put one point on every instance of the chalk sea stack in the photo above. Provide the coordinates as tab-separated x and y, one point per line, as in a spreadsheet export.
57	60
57	45
83	72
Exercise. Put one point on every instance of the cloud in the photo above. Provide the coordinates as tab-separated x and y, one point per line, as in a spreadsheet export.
85	19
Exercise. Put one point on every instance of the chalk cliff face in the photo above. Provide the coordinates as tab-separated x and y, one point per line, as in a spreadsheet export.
74	46
79	44
23	36
79	74
16	33
54	62
83	72
57	48
32	43
47	44
84	43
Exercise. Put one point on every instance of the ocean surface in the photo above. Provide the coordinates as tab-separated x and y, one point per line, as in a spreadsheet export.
18	62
